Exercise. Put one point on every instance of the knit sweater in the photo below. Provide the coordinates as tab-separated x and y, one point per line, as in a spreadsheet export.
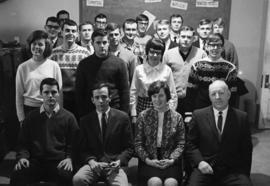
203	73
110	69
28	78
46	138
68	60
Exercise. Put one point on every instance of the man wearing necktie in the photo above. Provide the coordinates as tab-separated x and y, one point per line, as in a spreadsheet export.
219	142
106	143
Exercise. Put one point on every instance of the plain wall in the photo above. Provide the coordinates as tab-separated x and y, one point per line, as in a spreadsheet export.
21	17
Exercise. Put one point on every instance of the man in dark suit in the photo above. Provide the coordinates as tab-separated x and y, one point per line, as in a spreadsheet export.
106	143
219	143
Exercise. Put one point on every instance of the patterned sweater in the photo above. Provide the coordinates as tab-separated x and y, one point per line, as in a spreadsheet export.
68	61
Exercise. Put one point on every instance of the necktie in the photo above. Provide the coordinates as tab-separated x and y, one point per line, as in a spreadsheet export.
220	118
104	124
174	39
204	41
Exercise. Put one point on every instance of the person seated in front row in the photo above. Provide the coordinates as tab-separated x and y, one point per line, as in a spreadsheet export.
159	140
219	143
106	143
45	141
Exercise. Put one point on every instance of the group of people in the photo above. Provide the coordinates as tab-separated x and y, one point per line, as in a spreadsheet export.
87	104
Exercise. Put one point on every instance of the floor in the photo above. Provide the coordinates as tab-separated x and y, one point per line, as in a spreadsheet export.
260	172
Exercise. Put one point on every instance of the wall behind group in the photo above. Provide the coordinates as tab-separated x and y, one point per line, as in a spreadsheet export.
21	17
247	31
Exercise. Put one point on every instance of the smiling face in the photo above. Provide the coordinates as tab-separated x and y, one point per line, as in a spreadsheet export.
130	30
101	99
154	57
70	33
53	29
50	95
214	49
38	47
159	100
101	46
219	95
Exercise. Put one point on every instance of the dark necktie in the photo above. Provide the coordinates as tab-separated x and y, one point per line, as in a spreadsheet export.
204	42
220	118
104	124
174	39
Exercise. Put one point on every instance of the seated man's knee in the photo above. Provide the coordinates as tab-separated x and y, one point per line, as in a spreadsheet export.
170	182
154	181
79	180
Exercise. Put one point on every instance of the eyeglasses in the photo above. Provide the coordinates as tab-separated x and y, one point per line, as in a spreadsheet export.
53	26
218	46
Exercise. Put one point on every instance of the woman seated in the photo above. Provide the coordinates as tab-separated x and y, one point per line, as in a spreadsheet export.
151	70
159	140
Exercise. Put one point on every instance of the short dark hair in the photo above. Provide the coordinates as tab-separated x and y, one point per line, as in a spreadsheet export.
40	34
142	17
204	22
113	26
101	16
48	81
100	85
129	21
156	86
62	12
99	32
69	22
85	23
219	21
156	44
176	16
215	37
187	28
53	19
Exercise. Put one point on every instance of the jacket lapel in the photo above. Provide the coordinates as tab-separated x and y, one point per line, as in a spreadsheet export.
228	124
110	124
97	127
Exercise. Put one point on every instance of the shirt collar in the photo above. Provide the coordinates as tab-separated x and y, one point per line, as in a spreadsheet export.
55	110
148	68
107	112
224	112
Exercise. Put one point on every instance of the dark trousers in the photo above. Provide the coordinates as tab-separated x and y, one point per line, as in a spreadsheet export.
229	179
41	171
69	103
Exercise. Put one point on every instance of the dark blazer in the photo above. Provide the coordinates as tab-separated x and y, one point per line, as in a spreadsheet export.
233	150
118	142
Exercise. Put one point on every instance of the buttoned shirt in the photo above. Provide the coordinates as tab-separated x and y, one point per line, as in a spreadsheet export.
224	116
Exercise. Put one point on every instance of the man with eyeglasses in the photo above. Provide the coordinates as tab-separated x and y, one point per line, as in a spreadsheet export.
52	27
205	71
100	21
141	37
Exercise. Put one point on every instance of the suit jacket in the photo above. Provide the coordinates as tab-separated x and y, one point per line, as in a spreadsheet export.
117	144
232	150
